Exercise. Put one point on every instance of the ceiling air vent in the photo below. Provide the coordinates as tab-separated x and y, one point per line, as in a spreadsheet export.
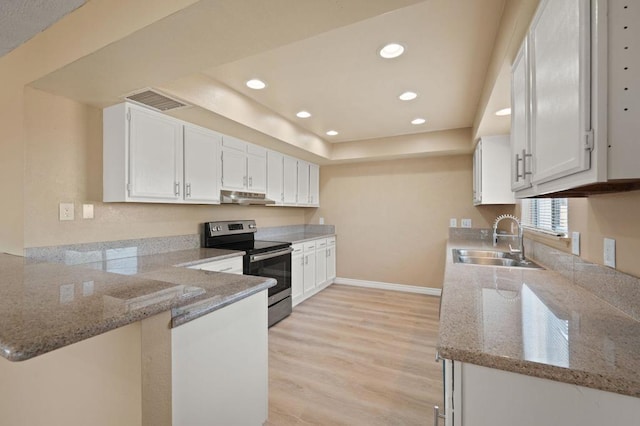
155	100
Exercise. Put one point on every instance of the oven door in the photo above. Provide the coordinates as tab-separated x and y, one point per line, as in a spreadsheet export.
276	265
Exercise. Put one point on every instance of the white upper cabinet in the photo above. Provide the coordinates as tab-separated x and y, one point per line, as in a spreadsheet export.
560	89
520	116
201	174
256	168
275	176
491	171
151	157
314	185
244	166
303	183
155	154
290	180
575	100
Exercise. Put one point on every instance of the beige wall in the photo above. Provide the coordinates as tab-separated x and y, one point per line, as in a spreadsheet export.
64	164
612	216
392	217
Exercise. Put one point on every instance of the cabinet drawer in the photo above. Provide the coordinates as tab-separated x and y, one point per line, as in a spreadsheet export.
230	266
310	245
331	241
297	248
321	243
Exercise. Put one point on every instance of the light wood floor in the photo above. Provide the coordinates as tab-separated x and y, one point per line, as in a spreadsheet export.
356	356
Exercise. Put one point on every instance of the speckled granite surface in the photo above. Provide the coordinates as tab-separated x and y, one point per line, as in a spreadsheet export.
296	233
46	306
538	323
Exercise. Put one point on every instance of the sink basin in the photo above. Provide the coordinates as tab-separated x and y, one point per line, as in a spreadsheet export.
492	258
482	253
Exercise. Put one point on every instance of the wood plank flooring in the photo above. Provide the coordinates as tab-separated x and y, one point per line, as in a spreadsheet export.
356	356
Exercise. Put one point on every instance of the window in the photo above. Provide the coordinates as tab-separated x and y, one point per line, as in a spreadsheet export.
546	214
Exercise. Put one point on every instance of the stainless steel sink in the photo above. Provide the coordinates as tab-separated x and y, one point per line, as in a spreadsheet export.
492	258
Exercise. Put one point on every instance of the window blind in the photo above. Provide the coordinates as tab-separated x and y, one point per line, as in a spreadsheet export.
546	214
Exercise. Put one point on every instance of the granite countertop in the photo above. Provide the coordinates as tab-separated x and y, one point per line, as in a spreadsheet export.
538	323
299	237
47	306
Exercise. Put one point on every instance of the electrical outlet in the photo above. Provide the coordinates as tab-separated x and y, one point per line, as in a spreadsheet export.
87	211
66	211
575	243
465	223
321	221
453	222
610	252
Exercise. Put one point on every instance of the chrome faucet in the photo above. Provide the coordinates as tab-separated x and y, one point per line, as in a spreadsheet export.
520	249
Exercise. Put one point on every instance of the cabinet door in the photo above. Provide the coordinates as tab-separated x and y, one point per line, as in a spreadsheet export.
331	262
275	176
303	183
290	180
314	185
201	160
321	261
309	280
477	174
297	276
560	89
520	115
257	172
155	156
234	169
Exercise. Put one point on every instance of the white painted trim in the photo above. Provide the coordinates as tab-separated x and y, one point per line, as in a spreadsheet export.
390	286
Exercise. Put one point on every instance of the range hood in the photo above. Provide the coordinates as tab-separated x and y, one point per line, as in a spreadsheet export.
244	198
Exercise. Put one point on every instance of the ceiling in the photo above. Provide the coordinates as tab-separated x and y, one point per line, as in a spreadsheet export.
341	80
22	19
318	56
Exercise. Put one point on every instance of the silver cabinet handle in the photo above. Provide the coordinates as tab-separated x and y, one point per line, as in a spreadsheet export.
226	269
518	175
177	188
188	190
306	260
250	181
244	181
437	415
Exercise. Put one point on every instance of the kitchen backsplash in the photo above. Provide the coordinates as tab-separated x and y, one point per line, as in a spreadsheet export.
73	254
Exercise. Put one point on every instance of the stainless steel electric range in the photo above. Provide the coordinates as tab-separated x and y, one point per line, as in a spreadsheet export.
270	259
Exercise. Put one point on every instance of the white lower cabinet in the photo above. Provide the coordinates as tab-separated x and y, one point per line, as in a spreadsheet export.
219	366
321	261
230	265
482	396
313	267
297	273
309	274
331	259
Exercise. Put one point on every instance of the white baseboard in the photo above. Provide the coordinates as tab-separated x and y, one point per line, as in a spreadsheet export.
389	286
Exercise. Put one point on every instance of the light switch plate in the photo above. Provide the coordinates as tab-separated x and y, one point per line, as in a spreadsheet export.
575	243
453	222
610	252
465	223
87	211
66	211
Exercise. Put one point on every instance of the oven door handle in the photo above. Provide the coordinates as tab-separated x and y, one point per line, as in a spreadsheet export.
259	257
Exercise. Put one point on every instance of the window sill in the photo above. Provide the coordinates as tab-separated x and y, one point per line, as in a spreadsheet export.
560	243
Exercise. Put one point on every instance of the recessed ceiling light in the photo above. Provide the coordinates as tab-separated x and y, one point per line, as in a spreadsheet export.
256	84
391	50
417	121
332	133
503	112
407	96
303	114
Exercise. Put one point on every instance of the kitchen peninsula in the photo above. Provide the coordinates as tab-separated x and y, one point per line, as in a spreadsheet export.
138	346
